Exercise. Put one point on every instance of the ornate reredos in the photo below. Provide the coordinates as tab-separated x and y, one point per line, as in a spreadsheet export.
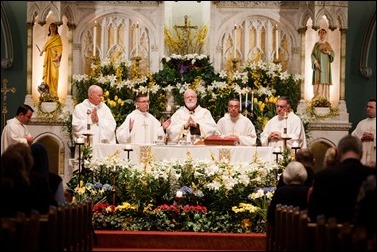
255	37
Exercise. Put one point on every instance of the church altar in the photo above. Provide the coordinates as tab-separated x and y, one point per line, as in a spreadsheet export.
180	152
233	34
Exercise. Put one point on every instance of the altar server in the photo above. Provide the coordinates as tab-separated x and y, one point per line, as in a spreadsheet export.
141	127
236	125
16	130
92	116
191	118
366	132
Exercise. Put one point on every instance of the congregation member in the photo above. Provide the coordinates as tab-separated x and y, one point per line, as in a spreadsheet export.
293	192
335	189
191	118
306	158
285	124
141	127
41	165
365	209
366	132
34	189
93	116
15	131
236	125
14	185
331	158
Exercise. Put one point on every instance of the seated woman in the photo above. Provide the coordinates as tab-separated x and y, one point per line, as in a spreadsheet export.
293	192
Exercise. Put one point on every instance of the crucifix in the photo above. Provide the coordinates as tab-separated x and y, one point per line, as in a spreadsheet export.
145	125
186	32
5	90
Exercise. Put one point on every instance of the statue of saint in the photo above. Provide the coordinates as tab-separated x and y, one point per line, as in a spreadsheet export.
322	56
53	50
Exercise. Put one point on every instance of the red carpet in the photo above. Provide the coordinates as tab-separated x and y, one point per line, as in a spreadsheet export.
108	240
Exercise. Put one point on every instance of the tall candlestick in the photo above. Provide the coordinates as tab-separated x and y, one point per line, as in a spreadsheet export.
137	39
277	42
235	42
240	102
94	38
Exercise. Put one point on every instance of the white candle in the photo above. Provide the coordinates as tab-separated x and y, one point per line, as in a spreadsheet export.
137	39
168	108
295	144
277	42
252	101
80	140
94	38
240	102
128	147
277	149
246	98
179	194
235	42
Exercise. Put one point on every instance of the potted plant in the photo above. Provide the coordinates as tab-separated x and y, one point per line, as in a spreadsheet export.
321	108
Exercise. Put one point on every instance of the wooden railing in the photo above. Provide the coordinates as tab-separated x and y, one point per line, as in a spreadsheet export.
64	228
293	232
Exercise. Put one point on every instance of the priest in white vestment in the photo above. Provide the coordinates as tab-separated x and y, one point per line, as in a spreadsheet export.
236	125
141	127
285	125
366	132
94	117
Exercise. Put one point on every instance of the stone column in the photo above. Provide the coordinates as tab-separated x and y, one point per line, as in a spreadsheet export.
69	100
342	64
71	27
29	65
301	107
302	32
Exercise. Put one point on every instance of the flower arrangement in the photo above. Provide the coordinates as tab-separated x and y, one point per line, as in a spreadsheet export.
66	118
321	102
210	191
121	81
185	41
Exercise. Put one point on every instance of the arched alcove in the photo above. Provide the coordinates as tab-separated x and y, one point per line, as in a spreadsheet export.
55	151
52	148
319	148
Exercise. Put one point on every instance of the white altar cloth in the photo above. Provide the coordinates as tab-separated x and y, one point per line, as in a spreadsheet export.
198	152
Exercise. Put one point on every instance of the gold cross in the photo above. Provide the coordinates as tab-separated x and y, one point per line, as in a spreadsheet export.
5	90
186	31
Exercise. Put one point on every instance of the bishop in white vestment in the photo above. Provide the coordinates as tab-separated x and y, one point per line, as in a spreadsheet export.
191	119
